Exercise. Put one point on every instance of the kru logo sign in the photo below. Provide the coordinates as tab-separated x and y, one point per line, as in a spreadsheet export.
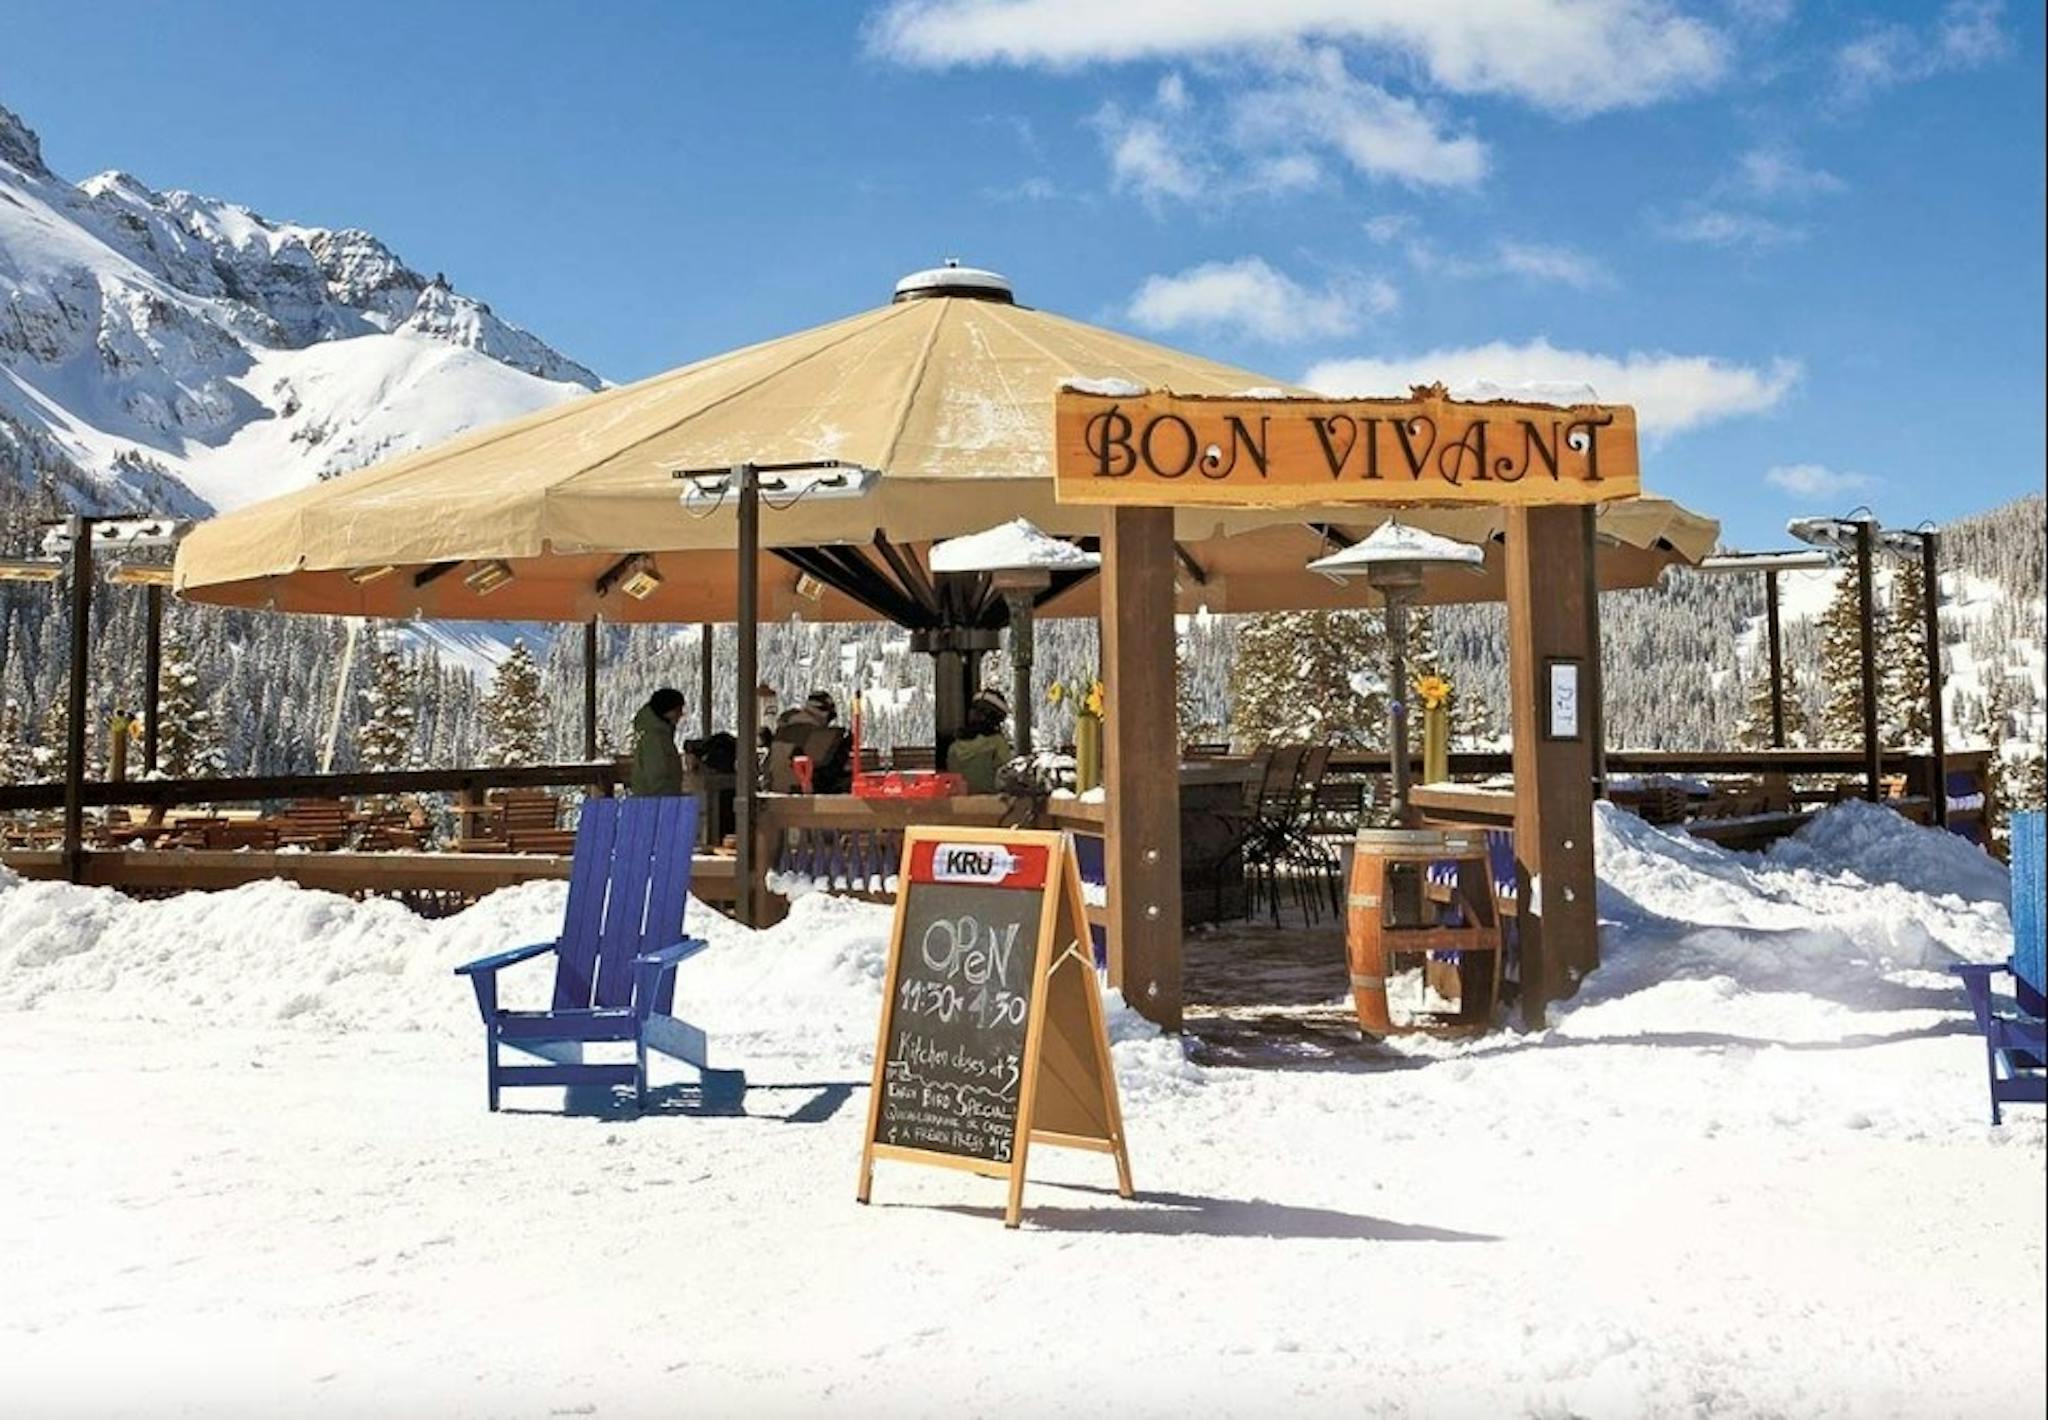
1163	449
972	863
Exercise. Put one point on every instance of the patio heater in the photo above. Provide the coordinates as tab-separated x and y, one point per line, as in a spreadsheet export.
1019	560
1393	561
1857	533
1924	543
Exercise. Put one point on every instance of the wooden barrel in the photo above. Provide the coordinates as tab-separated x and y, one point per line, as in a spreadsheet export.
1387	907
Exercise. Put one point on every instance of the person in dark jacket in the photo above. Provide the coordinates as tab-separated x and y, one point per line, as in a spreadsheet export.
810	731
982	749
657	764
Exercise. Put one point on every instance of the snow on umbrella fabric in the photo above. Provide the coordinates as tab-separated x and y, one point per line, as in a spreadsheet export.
948	395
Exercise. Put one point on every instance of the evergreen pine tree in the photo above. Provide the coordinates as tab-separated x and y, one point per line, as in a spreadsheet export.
188	738
1293	681
1841	668
384	736
514	715
51	740
1902	663
17	755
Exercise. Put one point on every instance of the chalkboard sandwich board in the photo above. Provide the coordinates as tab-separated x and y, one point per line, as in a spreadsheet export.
992	1035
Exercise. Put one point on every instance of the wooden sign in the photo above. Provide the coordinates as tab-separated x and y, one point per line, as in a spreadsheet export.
1158	449
992	1035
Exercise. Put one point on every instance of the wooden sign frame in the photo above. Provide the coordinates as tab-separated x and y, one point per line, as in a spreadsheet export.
1066	1013
1154	448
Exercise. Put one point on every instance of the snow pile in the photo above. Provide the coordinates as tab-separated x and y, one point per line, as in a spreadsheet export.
1871	842
1110	388
1856	918
805	991
1018	543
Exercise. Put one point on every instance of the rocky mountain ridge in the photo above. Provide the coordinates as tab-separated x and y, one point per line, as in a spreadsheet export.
169	352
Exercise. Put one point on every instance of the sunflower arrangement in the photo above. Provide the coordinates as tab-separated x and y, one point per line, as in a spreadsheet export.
1433	691
1087	695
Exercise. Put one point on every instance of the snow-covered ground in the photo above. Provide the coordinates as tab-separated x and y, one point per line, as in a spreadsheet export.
248	1171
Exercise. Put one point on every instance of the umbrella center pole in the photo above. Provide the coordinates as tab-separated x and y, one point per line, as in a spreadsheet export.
1022	653
956	653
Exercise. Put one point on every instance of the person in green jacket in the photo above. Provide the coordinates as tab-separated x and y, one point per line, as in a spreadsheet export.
657	765
982	750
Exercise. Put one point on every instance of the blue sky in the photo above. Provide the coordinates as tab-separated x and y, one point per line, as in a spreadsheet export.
1805	239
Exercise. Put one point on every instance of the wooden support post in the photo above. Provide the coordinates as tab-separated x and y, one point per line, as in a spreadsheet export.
1595	689
152	674
1866	632
590	689
1930	584
1771	620
705	647
1142	850
746	886
75	703
1549	621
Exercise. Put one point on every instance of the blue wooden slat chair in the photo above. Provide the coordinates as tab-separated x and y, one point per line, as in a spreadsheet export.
615	962
2016	1040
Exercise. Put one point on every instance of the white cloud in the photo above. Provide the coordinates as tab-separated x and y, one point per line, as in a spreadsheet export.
1389	226
1671	393
1778	172
1530	261
1313	99
1967	34
1289	172
1559	265
1566	56
1813	480
1251	298
1172	95
1721	227
1144	160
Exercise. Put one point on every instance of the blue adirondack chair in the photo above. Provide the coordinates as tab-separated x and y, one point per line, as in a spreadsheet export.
615	962
2016	1040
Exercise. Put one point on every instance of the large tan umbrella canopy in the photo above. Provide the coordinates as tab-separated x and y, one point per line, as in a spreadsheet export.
946	393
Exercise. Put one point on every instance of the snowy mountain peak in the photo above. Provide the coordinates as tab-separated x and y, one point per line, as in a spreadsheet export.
186	353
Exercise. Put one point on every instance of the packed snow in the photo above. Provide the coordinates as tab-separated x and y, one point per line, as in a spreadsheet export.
1746	1172
1019	543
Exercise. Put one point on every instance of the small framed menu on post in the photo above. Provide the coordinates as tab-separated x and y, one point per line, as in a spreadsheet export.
1561	708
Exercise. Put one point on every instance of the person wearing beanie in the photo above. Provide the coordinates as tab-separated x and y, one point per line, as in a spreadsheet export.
982	749
809	731
657	768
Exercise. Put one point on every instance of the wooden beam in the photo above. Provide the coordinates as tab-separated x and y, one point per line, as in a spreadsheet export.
1866	636
152	674
706	646
1771	621
1595	688
1190	566
1142	847
590	688
1548	620
748	710
1930	597
75	703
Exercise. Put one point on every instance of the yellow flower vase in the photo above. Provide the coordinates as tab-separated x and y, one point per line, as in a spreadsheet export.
1436	743
1087	752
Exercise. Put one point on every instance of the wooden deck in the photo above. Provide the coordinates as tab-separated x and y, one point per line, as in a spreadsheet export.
463	875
